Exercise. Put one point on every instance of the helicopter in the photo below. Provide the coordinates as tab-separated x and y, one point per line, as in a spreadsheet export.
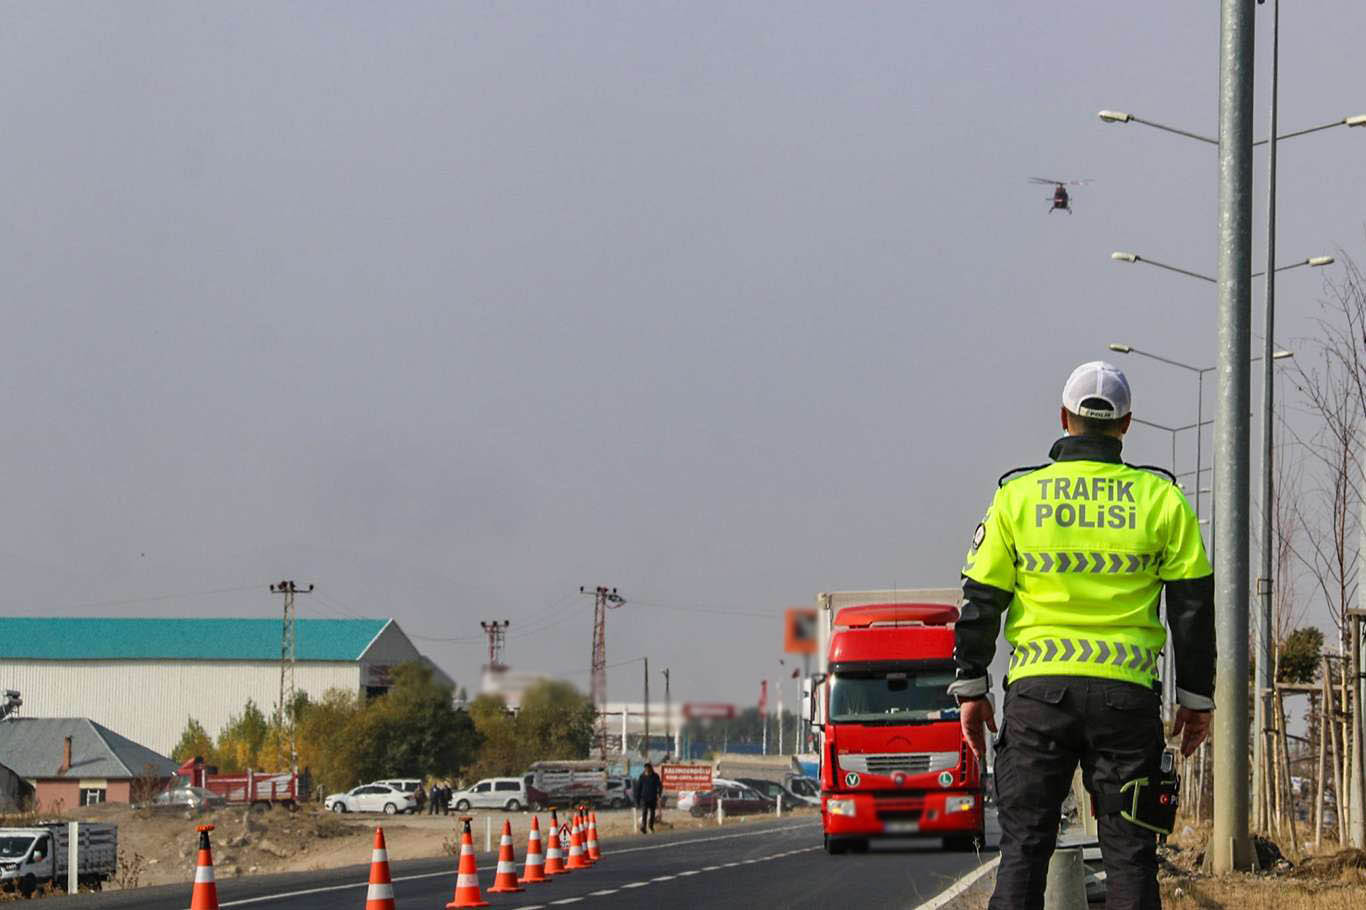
1061	199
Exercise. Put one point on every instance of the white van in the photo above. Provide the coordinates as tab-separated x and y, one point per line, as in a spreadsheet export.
492	793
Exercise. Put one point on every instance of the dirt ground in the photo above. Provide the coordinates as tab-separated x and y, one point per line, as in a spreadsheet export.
158	847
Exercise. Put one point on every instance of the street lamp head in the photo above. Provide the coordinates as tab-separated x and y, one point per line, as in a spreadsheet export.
1319	260
1121	117
1358	120
1120	348
1282	355
1120	256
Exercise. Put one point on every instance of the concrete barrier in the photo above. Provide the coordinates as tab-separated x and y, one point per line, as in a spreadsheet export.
1066	887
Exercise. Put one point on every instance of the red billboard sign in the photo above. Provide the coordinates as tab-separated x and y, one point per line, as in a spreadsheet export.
708	709
685	777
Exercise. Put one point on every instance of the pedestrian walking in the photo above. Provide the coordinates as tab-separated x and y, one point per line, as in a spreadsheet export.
1076	555
647	791
434	799
420	795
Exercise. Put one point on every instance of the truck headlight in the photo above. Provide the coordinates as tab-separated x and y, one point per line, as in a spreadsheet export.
840	807
959	804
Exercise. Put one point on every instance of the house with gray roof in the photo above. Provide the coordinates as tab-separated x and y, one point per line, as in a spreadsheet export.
73	761
148	677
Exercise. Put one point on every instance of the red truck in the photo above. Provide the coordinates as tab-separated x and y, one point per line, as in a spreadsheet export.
258	789
893	761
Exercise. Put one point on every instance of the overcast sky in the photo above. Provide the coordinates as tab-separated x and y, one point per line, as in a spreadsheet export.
451	308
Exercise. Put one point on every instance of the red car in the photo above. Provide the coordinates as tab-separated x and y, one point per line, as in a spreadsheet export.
734	801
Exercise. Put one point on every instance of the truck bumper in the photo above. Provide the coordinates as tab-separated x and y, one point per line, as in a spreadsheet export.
902	814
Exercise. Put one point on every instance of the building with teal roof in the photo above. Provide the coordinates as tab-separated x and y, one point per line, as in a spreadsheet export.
146	678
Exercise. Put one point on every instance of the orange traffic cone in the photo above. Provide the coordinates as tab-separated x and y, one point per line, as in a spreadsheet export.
467	873
576	860
535	859
505	879
583	834
554	859
380	894
205	893
594	854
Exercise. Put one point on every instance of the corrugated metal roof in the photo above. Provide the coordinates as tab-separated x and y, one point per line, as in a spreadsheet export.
95	638
33	747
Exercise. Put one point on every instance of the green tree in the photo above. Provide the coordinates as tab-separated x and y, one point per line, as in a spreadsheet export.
414	728
240	742
1299	655
556	720
501	751
328	747
194	741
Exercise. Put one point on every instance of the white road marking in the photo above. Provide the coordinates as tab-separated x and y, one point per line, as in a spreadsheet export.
567	900
636	885
710	868
689	872
664	878
958	887
603	893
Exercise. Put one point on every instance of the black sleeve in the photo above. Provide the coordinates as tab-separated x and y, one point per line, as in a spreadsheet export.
1190	613
979	623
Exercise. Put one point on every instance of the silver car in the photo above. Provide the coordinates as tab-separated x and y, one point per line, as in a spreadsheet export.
492	793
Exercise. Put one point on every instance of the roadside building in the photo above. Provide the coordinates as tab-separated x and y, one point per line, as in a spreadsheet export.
147	677
14	791
73	761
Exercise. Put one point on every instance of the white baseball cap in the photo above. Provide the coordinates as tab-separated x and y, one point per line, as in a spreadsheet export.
1097	380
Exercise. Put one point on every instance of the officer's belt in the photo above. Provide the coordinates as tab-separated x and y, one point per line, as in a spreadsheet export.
1093	561
1116	654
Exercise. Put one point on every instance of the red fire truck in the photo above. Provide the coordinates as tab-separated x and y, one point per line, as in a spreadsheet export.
893	761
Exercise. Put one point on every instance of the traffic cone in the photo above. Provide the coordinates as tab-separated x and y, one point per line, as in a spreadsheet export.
467	873
505	879
594	854
554	859
205	893
535	859
576	860
380	894
583	834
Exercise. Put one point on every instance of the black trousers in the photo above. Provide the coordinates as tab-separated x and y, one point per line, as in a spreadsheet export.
647	815
1050	723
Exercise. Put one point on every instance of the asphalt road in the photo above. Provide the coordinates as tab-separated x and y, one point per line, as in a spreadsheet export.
771	863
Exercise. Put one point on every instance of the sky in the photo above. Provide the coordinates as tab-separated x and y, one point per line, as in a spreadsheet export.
451	308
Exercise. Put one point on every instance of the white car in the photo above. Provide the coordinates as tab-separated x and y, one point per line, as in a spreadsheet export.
492	793
372	798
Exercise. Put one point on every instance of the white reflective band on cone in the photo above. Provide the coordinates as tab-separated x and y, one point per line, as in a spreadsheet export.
505	866
379	856
467	881
534	859
380	893
203	875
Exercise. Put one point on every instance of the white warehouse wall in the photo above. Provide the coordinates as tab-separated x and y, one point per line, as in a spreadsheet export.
149	701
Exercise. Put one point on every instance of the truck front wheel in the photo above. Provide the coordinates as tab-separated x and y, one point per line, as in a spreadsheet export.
964	843
27	885
836	845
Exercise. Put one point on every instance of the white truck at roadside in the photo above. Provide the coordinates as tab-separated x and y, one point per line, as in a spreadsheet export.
34	855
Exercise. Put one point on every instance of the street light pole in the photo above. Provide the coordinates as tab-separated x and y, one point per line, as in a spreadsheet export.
1263	655
1230	847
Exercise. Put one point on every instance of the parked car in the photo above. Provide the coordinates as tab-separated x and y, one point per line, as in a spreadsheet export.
619	790
492	793
686	797
406	784
371	798
772	789
189	797
737	800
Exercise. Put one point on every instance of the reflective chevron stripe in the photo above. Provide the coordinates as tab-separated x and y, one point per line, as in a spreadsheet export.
1115	654
1093	561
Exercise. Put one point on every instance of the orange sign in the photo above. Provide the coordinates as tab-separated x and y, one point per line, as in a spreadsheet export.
800	630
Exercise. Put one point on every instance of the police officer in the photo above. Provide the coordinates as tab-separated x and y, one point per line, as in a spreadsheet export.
1075	555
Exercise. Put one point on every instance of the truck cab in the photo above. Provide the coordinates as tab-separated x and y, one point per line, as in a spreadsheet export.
25	859
893	761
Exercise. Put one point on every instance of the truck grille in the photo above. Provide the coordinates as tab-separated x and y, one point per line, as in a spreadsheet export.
906	762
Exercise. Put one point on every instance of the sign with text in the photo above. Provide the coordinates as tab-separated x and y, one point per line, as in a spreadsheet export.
708	709
800	630
685	777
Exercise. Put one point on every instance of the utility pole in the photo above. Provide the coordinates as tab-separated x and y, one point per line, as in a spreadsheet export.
284	711
604	599
668	715
1231	847
645	743
1264	653
496	630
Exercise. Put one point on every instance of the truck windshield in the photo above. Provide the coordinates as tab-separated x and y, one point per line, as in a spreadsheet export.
890	697
14	847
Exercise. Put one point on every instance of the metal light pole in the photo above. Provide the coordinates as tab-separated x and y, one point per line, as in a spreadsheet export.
1265	650
1231	848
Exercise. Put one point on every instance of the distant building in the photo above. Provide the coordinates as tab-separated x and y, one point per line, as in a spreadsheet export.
73	761
148	677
